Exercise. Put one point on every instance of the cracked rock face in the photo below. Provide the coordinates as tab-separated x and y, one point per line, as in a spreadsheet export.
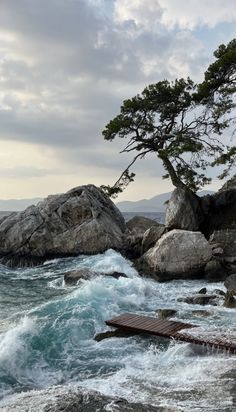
178	254
81	221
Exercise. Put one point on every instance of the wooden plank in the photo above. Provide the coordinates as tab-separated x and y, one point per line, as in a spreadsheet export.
168	329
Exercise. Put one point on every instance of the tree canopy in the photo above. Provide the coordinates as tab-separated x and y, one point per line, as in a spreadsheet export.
181	123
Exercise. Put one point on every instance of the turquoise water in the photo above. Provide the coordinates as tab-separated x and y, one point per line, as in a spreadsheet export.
47	331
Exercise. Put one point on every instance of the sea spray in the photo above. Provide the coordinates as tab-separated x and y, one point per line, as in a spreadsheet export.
48	332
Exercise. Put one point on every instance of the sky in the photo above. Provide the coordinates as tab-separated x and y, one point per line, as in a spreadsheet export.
65	68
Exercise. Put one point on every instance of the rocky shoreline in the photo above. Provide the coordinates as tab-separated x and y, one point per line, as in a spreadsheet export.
198	239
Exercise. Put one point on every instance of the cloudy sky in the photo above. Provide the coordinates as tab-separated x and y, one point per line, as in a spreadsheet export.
67	65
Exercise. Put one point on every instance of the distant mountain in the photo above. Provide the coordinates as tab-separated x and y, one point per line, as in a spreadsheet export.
155	204
12	205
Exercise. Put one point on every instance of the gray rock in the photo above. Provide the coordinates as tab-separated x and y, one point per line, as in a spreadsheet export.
117	275
166	313
81	221
72	277
177	254
151	236
215	271
183	211
199	300
230	184
118	333
226	239
201	313
220	211
202	291
74	399
140	224
230	301
230	284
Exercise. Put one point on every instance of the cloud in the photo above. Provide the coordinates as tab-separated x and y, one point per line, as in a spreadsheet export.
67	65
185	15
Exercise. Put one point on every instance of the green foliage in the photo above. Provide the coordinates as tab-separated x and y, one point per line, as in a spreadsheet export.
181	123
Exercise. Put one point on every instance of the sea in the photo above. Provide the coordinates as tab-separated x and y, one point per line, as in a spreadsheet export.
47	334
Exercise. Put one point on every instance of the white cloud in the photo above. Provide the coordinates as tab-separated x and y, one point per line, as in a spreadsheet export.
192	13
184	14
65	68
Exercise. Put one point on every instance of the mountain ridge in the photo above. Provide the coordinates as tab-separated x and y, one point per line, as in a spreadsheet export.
154	204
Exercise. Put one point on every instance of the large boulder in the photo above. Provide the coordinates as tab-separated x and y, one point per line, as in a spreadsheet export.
177	254
183	210
82	221
140	224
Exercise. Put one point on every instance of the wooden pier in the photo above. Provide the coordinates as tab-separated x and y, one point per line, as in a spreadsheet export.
168	329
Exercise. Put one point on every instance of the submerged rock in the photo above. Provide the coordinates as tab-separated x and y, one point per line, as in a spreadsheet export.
166	313
74	399
72	277
82	221
200	300
177	254
118	333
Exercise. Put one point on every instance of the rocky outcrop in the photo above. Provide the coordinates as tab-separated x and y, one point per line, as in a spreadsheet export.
183	211
134	235
140	224
81	221
177	254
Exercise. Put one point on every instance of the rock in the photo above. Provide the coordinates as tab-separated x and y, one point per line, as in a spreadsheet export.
81	221
118	333
230	284
202	291
230	301
219	292
215	271
230	184
140	224
219	215
202	313
151	236
217	251
199	300
72	277
132	244
117	275
226	239
183	211
70	398
166	313
177	254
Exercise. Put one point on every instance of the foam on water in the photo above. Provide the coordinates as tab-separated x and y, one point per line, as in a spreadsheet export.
47	339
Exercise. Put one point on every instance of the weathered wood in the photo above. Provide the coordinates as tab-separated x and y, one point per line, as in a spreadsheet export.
167	329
